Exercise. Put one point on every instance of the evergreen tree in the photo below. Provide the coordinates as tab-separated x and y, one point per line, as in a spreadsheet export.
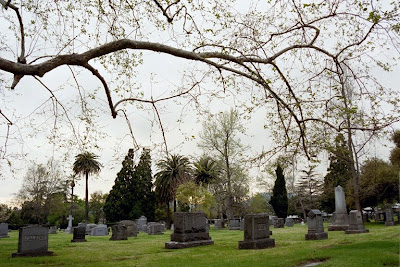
131	195
338	173
279	199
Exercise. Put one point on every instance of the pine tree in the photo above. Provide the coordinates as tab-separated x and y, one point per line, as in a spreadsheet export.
338	173
279	199
131	195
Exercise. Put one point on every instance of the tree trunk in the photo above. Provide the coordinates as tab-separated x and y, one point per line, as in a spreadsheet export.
87	198
228	177
168	217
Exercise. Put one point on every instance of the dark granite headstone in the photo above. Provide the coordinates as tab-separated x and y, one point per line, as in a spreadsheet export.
279	223
189	231
119	232
256	232
131	227
33	241
79	234
3	230
389	217
356	225
234	224
315	226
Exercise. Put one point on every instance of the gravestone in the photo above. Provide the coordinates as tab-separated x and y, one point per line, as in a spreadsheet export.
131	227
155	229
119	232
356	225
242	224
142	224
272	220
4	230
279	223
172	227
190	231
365	217
315	226
256	232
218	224
389	217
53	230
234	224
33	241
78	234
100	230
340	220
69	228
207	226
289	222
89	228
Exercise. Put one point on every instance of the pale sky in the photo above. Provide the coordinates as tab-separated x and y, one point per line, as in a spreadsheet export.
157	77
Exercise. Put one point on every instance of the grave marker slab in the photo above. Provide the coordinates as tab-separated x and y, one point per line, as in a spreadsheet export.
119	232
4	230
78	234
33	241
279	223
131	227
190	231
315	226
218	224
340	220
256	232
289	222
53	230
389	217
100	230
356	225
155	229
234	224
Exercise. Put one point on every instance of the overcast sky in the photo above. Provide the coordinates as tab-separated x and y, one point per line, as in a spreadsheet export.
156	77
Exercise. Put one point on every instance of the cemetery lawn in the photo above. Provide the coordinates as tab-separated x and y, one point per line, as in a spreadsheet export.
379	247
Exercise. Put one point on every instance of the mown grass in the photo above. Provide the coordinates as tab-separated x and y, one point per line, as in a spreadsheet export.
379	247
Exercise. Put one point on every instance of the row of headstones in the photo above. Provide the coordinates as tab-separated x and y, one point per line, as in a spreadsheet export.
238	224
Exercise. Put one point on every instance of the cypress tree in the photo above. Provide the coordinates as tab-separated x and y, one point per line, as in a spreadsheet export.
338	173
131	195
279	199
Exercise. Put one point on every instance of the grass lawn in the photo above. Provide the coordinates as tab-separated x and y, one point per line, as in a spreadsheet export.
379	247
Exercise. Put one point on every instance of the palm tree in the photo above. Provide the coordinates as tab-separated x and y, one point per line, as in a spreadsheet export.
172	171
86	163
206	170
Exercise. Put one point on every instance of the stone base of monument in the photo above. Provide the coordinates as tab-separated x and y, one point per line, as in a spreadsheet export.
356	231
177	245
257	244
37	254
316	236
338	227
4	236
390	223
